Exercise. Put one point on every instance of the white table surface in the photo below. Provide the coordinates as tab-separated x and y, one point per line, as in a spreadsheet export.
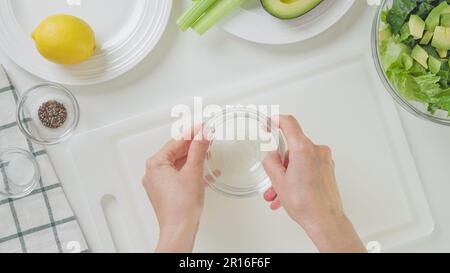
220	59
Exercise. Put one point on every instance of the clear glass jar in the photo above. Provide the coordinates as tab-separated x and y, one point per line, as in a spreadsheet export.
240	138
19	173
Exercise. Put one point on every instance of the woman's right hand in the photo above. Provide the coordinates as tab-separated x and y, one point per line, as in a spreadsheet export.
305	186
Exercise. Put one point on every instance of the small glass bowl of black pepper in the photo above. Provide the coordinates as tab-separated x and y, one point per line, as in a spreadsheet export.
48	114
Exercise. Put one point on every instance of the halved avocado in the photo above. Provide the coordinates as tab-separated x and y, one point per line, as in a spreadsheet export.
289	9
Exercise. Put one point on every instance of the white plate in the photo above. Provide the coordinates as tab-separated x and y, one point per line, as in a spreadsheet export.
254	24
126	32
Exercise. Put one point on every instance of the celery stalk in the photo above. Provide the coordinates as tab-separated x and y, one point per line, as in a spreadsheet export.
194	12
214	14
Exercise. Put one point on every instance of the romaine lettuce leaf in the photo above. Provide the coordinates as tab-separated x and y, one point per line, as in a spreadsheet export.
444	102
399	12
429	84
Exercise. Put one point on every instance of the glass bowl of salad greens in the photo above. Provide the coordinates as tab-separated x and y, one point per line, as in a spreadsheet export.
411	46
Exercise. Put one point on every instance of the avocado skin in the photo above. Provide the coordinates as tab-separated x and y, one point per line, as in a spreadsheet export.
269	9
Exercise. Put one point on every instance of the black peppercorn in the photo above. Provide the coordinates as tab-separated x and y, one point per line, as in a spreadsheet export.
52	114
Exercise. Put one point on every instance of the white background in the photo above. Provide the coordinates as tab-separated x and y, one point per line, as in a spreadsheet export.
221	59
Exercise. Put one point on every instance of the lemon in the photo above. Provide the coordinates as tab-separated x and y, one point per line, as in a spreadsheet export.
64	39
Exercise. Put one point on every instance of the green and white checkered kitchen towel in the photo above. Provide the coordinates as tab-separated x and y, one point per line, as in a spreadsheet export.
42	221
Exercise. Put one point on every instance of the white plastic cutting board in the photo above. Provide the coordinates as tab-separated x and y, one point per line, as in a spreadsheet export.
377	177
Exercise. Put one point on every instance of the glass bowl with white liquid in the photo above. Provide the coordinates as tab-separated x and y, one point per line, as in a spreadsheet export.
240	139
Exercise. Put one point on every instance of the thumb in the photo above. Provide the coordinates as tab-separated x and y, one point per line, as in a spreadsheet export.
274	168
197	153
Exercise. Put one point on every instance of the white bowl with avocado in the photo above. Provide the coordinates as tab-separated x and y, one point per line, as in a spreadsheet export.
285	22
286	10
